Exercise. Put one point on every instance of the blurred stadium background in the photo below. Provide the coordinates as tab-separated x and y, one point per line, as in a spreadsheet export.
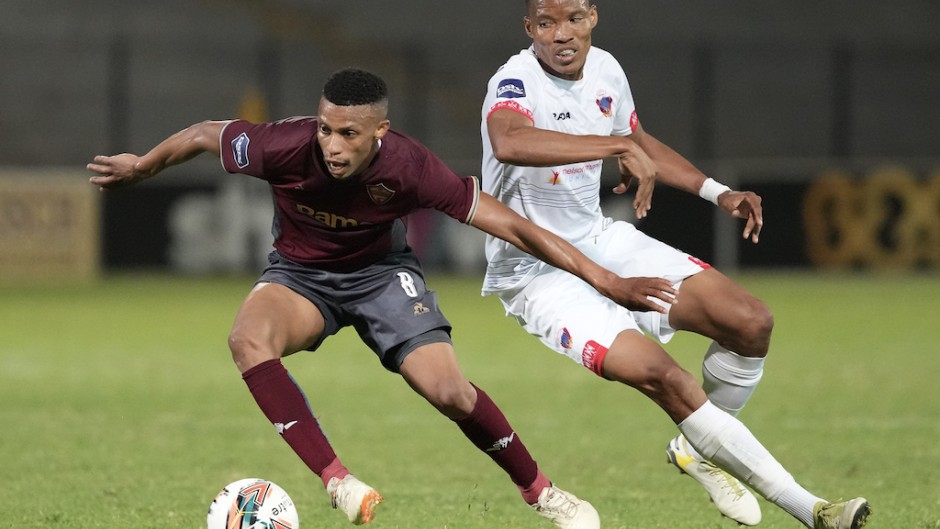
829	110
115	386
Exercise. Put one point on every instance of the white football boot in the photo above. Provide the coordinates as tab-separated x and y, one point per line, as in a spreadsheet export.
565	510
728	494
852	514
354	498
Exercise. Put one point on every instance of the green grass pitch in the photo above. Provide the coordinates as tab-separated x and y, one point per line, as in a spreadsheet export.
120	407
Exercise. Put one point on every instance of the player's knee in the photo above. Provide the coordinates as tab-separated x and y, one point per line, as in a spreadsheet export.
674	389
756	328
247	351
664	380
674	380
453	398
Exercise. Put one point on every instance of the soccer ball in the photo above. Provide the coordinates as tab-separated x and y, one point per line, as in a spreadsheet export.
252	503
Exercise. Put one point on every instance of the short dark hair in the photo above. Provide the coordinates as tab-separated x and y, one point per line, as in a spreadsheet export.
352	86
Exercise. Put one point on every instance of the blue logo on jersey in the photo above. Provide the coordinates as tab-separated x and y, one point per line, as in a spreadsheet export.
510	88
240	150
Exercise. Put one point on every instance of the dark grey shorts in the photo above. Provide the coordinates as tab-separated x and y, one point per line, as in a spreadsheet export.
387	302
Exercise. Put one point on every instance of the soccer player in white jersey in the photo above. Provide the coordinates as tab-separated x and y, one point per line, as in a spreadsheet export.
552	113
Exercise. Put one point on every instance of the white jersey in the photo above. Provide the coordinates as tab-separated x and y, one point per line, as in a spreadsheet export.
562	199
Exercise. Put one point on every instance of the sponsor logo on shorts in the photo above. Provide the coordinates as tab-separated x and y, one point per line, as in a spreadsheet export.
510	88
421	309
555	177
240	150
565	338
592	357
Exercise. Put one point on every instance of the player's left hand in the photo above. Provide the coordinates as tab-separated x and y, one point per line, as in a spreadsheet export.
744	205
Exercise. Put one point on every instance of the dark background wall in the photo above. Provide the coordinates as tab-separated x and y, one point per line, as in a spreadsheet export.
725	83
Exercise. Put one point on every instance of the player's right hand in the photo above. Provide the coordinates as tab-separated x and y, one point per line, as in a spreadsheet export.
635	163
643	294
115	171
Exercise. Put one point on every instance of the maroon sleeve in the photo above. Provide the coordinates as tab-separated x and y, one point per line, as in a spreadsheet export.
446	191
266	150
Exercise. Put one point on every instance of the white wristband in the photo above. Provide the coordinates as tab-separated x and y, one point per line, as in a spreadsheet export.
711	189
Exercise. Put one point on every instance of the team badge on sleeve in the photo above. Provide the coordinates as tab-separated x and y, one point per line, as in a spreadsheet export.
510	89
240	150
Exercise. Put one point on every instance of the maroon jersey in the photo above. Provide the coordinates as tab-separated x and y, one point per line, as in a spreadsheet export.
343	224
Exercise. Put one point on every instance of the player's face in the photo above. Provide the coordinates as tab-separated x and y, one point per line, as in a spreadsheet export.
561	35
348	136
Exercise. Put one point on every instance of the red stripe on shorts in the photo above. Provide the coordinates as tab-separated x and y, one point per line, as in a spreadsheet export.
593	356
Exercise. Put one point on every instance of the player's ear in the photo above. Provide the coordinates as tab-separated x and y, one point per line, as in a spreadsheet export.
528	27
382	129
593	14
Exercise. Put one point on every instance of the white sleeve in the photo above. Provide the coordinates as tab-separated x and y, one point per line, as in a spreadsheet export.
512	89
625	118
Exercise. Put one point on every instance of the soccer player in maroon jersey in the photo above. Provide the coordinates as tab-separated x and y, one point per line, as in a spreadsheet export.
342	181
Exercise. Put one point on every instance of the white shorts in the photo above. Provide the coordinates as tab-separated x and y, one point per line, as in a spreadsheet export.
573	319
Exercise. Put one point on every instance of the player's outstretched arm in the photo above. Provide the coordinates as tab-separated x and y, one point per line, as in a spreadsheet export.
126	169
676	171
634	293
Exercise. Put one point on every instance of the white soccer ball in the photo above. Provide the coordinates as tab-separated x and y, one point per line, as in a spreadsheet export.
252	503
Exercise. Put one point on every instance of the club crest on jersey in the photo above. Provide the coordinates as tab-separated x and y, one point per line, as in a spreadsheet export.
379	193
565	338
510	88
421	309
240	150
606	104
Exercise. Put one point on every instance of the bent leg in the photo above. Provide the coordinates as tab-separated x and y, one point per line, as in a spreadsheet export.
273	322
711	304
727	442
432	371
641	363
740	326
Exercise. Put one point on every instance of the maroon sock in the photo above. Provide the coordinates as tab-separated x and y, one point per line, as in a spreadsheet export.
488	430
284	404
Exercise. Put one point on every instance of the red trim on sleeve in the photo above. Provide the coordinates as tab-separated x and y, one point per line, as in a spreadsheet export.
511	105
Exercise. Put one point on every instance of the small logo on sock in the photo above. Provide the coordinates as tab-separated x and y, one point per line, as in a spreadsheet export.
281	427
502	443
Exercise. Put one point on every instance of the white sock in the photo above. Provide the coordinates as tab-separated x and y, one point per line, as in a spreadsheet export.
730	379
725	441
